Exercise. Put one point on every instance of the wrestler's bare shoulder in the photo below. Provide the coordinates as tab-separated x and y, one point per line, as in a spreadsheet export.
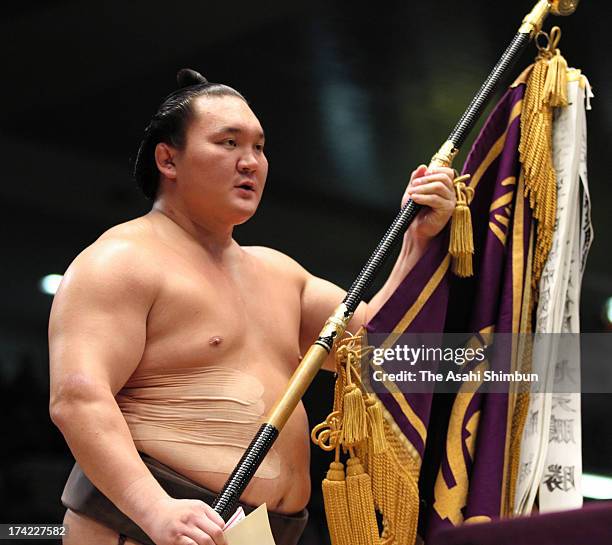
278	261
124	252
140	236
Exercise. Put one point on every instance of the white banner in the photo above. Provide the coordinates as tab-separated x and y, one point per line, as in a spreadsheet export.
551	448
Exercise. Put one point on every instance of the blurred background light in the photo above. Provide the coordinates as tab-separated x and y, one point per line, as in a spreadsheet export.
608	311
50	283
596	487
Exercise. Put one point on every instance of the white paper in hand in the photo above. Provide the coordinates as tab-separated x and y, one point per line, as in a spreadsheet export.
253	529
235	518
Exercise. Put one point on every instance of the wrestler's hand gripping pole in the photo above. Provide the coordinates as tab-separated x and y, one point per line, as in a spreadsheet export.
334	328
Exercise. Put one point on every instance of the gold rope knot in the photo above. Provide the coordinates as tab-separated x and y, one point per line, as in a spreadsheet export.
464	192
461	245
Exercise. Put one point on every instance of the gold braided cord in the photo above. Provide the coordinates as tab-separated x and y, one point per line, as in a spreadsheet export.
521	406
395	476
546	88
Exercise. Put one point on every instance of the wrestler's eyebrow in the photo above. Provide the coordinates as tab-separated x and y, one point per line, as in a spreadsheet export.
237	130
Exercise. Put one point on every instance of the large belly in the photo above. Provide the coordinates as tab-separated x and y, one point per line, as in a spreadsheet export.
199	423
287	491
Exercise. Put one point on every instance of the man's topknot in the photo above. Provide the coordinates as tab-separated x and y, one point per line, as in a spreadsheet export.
186	77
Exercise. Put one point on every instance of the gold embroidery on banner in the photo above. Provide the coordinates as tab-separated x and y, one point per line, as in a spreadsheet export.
518	286
497	148
418	305
477	519
472	428
518	257
401	326
502	219
449	501
504	201
498	233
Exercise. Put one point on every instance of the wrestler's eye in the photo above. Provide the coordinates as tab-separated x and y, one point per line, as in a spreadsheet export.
230	142
259	147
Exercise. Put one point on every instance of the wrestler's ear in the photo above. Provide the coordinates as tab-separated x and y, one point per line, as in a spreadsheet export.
164	158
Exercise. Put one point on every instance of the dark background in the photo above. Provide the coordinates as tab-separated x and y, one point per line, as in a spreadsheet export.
352	98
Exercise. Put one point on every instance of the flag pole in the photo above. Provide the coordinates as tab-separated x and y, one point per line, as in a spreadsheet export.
334	327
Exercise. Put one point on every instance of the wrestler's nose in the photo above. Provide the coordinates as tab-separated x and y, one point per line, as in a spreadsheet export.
248	162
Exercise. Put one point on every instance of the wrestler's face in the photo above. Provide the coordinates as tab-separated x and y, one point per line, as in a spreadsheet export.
222	169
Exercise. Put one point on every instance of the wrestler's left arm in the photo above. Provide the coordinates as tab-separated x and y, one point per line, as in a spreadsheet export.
434	190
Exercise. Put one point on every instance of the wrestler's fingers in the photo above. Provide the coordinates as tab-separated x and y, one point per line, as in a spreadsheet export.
210	528
433	188
198	536
433	201
417	173
437	177
184	540
213	515
442	170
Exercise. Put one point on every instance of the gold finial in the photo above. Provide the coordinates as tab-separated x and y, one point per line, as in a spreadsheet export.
564	7
532	23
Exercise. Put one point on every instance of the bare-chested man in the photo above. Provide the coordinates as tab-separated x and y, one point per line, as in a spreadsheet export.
167	337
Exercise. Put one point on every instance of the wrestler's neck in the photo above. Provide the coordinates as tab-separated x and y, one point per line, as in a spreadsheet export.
215	237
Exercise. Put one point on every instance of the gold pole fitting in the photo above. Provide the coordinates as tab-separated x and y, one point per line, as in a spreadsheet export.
335	326
310	365
532	23
445	155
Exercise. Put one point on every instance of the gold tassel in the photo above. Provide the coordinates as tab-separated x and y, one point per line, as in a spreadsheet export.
354	421
546	88
380	474
555	86
361	504
377	425
461	245
336	505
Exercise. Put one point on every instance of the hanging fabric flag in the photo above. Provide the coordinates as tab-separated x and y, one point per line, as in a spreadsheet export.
491	300
474	464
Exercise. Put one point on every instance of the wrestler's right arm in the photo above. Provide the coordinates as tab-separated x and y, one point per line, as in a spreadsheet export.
97	335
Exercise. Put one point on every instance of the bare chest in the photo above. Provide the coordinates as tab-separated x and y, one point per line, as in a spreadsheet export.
239	318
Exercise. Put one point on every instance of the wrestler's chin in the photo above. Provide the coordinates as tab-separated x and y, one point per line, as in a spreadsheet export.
243	211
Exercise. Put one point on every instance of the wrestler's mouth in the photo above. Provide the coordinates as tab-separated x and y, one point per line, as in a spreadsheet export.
248	185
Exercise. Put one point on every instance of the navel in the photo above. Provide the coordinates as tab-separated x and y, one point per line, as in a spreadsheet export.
215	341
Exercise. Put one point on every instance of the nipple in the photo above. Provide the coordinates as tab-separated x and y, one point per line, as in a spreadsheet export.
215	341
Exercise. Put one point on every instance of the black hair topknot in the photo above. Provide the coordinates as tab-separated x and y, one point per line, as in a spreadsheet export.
186	77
